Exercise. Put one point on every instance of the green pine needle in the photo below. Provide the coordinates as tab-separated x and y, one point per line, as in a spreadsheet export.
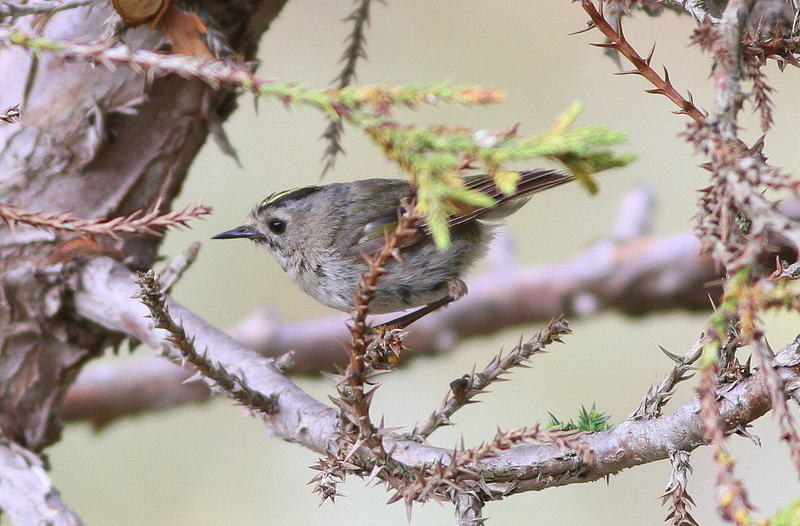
590	421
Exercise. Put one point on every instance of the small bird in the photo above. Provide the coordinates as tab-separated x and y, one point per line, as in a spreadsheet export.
320	235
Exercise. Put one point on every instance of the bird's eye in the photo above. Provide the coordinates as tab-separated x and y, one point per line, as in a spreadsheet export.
276	226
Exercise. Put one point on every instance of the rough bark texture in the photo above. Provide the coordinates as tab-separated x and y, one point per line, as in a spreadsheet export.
76	152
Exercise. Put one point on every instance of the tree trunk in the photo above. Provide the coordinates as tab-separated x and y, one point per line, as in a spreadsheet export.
97	143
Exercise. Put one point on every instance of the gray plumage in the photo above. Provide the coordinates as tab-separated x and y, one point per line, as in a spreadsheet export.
319	234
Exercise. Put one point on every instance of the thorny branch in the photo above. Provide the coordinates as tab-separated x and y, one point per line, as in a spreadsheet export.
34	7
735	226
140	222
734	200
783	49
217	73
738	223
777	390
464	389
618	42
660	394
727	50
676	493
233	385
355	50
447	476
355	402
731	494
105	298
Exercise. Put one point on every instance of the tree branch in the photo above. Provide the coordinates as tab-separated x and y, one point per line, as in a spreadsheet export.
139	222
105	297
633	442
356	49
26	493
103	394
34	7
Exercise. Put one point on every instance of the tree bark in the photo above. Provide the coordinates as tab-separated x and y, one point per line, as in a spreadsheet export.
98	143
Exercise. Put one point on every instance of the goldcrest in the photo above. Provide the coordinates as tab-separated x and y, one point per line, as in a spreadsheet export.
320	234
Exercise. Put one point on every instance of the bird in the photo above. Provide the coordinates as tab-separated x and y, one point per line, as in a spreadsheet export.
322	235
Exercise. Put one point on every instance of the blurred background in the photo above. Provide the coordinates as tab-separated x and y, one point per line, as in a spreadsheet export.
212	464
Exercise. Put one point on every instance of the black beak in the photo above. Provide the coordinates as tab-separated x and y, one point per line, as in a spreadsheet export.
239	231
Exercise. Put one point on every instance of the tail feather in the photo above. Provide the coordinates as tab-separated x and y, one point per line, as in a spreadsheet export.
530	182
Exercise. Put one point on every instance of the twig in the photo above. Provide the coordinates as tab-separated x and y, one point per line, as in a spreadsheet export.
11	114
232	384
468	386
354	400
676	493
35	7
734	503
737	221
444	477
617	41
176	268
728	69
355	50
734	198
217	73
778	394
104	297
505	440
659	394
782	50
136	223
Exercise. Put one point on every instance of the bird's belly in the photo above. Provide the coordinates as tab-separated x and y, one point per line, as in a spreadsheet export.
421	276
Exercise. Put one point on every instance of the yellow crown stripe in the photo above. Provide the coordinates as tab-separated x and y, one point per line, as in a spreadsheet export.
278	195
288	194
